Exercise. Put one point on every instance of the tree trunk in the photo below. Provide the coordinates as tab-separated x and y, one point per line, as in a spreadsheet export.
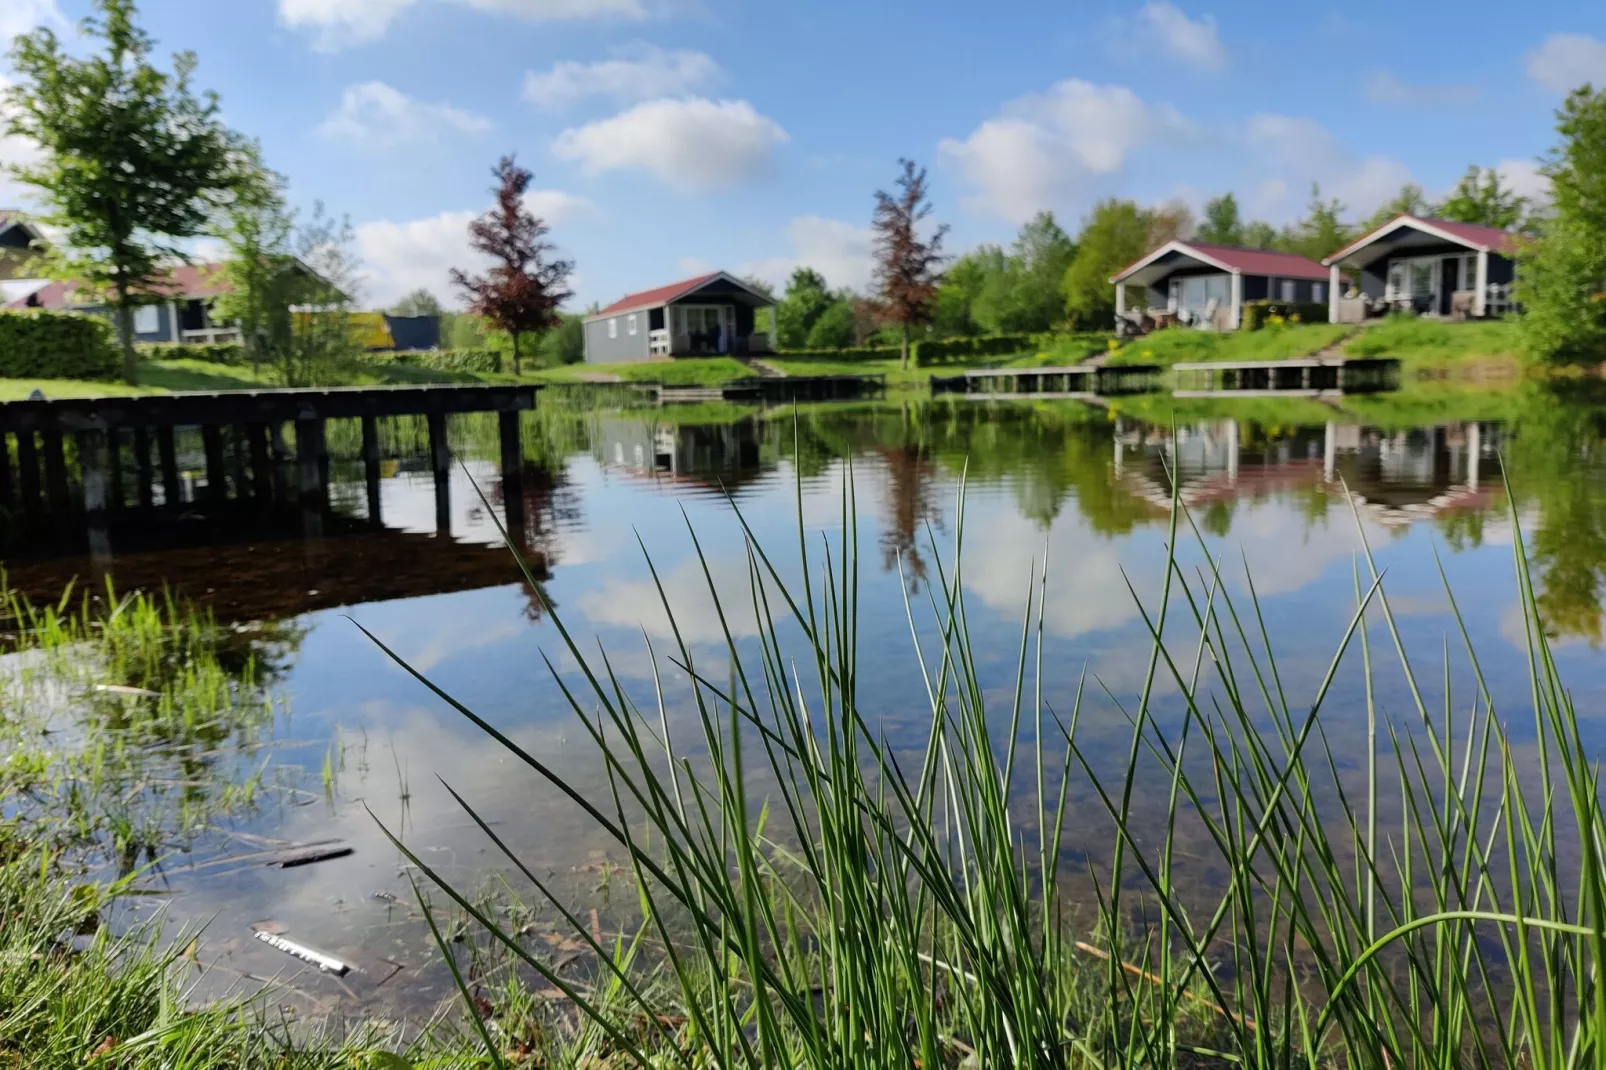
125	335
903	358
516	368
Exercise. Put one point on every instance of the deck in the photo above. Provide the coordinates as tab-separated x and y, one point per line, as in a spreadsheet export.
772	389
1077	382
1309	377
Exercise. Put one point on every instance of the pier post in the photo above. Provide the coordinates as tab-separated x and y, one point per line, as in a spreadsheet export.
217	486
1329	452
172	492
239	461
512	476
261	463
92	456
370	467
114	468
1232	452
56	476
28	478
440	463
309	468
143	475
6	491
1474	454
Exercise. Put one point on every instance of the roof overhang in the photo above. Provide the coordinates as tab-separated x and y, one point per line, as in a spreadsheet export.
1389	238
754	297
1156	265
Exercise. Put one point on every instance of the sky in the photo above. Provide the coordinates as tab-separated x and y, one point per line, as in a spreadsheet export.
673	137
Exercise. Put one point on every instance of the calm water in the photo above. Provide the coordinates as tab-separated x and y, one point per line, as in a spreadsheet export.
1084	487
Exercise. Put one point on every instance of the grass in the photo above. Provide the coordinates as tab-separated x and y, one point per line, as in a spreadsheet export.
1441	907
688	371
1182	345
1428	344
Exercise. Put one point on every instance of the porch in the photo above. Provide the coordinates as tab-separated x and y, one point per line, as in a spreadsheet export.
705	330
1424	267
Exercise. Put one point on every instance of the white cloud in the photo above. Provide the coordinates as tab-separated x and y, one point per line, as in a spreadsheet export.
336	24
1300	151
1525	179
21	16
1046	146
1566	61
378	114
837	250
1384	87
420	253
14	151
1193	41
640	72
692	144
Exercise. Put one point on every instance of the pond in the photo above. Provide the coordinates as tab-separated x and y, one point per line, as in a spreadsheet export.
1288	492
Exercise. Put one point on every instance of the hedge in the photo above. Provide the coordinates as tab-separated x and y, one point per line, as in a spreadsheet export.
233	353
849	354
441	360
56	345
1256	313
951	350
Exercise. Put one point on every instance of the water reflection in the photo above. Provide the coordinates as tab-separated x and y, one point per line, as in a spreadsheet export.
1087	487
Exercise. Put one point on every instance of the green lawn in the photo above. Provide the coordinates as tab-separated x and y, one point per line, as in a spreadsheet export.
171	376
688	371
1183	345
1435	343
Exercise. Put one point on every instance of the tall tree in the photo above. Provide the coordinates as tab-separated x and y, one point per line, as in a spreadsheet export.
806	299
1169	222
1322	232
1222	223
1259	234
1563	273
526	283
908	264
132	161
1482	198
834	329
1036	267
418	303
1409	201
1115	233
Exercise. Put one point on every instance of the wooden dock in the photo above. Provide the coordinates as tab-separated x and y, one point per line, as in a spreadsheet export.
1077	382
777	388
242	434
1310	377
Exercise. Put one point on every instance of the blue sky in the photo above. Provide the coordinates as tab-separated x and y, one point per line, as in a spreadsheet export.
668	136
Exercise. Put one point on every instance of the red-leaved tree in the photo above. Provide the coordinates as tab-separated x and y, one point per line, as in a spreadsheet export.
525	285
908	267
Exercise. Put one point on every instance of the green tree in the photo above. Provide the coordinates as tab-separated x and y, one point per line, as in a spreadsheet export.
1114	234
1480	197
953	309
418	303
807	297
1043	252
1322	232
834	327
909	257
462	330
1258	234
1563	273
565	343
1409	201
1222	224
132	160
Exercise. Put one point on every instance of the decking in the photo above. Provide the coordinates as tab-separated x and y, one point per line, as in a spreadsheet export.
773	389
242	439
1078	382
1312	377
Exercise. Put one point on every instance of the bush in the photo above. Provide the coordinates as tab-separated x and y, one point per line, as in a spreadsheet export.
56	345
850	353
951	350
1256	313
232	353
441	360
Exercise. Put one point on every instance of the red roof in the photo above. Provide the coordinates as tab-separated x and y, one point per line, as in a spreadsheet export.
1248	261
1491	238
189	281
653	298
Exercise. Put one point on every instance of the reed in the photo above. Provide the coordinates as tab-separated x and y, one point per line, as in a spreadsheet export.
873	909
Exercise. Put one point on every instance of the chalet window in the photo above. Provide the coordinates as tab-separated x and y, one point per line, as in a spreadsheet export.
613	327
1318	292
1285	289
147	320
630	323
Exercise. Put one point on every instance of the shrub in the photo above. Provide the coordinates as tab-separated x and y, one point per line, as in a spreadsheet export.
56	345
1257	313
849	353
232	353
441	360
950	350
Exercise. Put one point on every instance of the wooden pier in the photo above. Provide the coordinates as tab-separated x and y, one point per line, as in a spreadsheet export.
777	388
245	457
1078	382
1311	377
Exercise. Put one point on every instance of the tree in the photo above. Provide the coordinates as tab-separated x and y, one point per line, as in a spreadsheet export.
1033	273
1222	223
1114	235
1480	197
807	298
953	310
908	266
132	162
1409	201
525	284
1170	222
1258	234
834	329
418	303
1322	232
565	343
1562	280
